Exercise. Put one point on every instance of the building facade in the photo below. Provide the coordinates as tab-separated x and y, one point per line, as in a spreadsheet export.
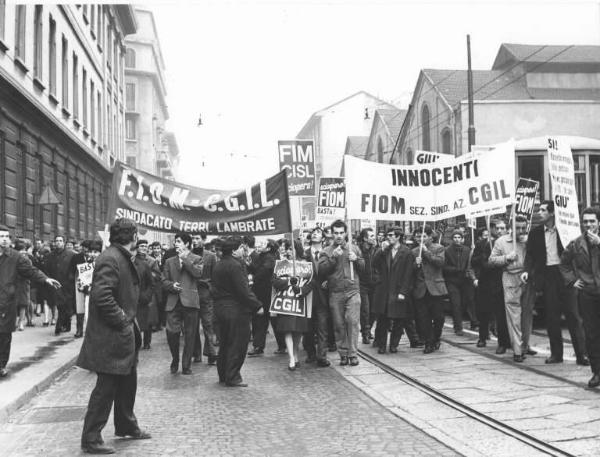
530	92
61	115
146	138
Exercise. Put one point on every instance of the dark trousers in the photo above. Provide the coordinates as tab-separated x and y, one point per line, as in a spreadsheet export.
396	327
430	311
64	305
330	330
314	340
461	298
5	342
235	336
560	300
490	304
147	337
206	317
121	390
589	306
182	319
366	317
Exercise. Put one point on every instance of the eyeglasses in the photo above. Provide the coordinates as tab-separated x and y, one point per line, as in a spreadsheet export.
391	234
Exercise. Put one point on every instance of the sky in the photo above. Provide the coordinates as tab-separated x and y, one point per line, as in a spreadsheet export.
256	71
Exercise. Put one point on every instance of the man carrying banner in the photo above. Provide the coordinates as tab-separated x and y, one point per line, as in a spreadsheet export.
581	270
517	293
344	293
544	248
429	288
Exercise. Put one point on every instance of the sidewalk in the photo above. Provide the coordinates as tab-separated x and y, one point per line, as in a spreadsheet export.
37	358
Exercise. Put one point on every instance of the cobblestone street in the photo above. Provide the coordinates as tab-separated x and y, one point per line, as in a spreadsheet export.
308	412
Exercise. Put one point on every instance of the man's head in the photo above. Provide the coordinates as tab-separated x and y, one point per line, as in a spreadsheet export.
521	227
483	234
394	236
339	230
316	235
156	249
123	231
142	246
426	236
20	245
70	244
85	246
94	250
380	237
59	242
498	227
590	218
547	211
457	237
182	242
249	241
197	241
233	246
367	236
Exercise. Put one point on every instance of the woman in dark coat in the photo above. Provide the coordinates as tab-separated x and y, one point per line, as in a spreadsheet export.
395	264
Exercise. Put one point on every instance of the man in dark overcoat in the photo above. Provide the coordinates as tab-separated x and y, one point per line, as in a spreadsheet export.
395	264
234	305
58	266
12	267
112	341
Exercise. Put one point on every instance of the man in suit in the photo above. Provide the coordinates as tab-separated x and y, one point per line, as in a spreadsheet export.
459	281
318	325
368	281
542	261
391	304
234	305
580	268
112	341
430	287
180	280
206	315
58	267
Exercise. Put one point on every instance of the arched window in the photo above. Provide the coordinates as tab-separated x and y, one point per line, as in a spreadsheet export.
446	141
426	139
379	150
409	156
130	58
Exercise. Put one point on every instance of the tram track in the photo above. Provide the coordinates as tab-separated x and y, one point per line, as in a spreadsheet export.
480	417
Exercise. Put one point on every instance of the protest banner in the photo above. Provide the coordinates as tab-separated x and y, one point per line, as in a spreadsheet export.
423	157
297	158
286	301
331	200
564	193
168	206
430	192
525	195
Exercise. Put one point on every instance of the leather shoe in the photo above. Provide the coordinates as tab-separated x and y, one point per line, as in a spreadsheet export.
174	366
365	339
280	351
256	352
186	371
323	363
353	361
594	381
343	360
292	367
428	350
583	361
530	351
481	343
500	350
416	344
97	448
553	359
394	349
212	360
311	359
437	345
518	358
381	351
237	384
3	372
139	434
197	359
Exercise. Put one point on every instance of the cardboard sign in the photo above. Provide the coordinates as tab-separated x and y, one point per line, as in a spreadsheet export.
286	301
430	192
168	206
525	199
85	272
564	193
297	158
331	200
